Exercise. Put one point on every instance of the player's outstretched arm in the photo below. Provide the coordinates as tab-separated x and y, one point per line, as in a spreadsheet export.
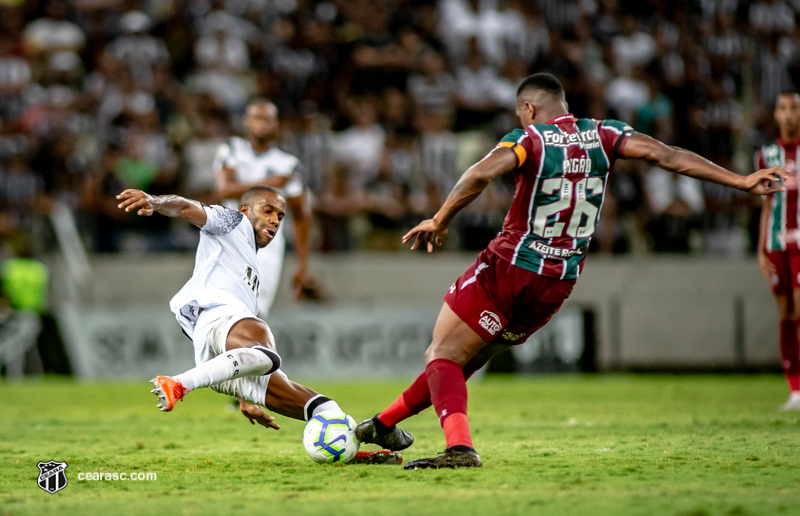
682	161
170	205
474	181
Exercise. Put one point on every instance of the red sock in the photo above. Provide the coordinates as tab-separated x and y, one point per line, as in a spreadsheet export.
790	351
414	400
449	396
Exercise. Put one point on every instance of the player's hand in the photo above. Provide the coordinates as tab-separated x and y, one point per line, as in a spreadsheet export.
301	282
758	183
137	200
428	231
258	415
768	269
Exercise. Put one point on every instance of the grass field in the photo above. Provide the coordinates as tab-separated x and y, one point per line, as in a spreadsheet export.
685	445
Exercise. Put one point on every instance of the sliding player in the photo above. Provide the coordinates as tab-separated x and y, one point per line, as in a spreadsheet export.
561	165
234	349
779	238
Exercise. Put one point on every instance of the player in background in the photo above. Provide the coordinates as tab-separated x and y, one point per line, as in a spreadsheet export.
217	309
256	160
779	238
561	165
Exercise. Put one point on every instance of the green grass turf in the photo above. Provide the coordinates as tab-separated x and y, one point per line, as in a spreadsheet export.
685	445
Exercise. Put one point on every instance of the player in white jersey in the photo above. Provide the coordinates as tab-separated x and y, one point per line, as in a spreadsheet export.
217	309
256	160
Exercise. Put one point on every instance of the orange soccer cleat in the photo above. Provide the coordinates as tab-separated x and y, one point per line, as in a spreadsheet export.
168	391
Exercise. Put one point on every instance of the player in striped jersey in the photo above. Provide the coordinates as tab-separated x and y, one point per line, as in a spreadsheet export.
561	165
779	238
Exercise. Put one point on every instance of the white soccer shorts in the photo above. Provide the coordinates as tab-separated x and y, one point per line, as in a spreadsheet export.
209	336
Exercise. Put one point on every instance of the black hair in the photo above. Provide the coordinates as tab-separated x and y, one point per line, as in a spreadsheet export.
781	94
257	191
260	101
542	81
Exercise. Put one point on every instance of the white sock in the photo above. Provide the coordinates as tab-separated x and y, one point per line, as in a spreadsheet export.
317	404
255	361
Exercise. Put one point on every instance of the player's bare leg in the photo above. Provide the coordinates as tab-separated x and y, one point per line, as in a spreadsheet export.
250	351
297	401
454	345
789	313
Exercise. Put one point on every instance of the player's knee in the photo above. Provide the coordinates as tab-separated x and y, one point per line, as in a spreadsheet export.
438	350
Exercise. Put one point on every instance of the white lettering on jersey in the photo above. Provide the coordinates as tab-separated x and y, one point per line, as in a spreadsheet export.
490	322
585	139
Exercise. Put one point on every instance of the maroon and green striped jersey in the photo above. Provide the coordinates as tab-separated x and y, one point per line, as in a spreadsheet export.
782	229
562	177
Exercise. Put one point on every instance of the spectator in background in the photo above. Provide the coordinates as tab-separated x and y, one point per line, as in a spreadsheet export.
311	140
771	16
676	203
438	149
359	148
632	47
432	87
53	32
138	50
475	97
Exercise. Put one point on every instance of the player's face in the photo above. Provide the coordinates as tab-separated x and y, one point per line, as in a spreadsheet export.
265	215
787	114
261	121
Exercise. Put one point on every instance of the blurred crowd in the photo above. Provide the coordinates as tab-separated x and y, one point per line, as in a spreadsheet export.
386	103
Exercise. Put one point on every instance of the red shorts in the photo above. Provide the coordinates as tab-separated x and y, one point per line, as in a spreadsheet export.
505	303
788	276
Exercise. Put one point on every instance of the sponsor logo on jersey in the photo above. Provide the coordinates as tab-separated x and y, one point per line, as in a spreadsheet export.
585	139
554	253
52	477
251	278
489	322
513	337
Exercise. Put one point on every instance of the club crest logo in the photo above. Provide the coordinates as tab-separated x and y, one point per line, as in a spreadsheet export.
52	477
489	322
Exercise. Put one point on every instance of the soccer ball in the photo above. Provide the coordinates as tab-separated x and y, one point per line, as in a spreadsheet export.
330	437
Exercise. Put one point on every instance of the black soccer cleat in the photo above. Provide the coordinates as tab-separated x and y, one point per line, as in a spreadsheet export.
455	457
389	437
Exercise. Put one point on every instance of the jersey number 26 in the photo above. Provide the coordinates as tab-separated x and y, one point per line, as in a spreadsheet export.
567	190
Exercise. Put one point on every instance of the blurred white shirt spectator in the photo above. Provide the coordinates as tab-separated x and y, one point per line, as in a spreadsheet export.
222	50
625	96
633	47
771	16
663	188
53	33
462	20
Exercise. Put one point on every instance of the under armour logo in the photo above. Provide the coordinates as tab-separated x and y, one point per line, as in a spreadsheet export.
452	288
444	413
